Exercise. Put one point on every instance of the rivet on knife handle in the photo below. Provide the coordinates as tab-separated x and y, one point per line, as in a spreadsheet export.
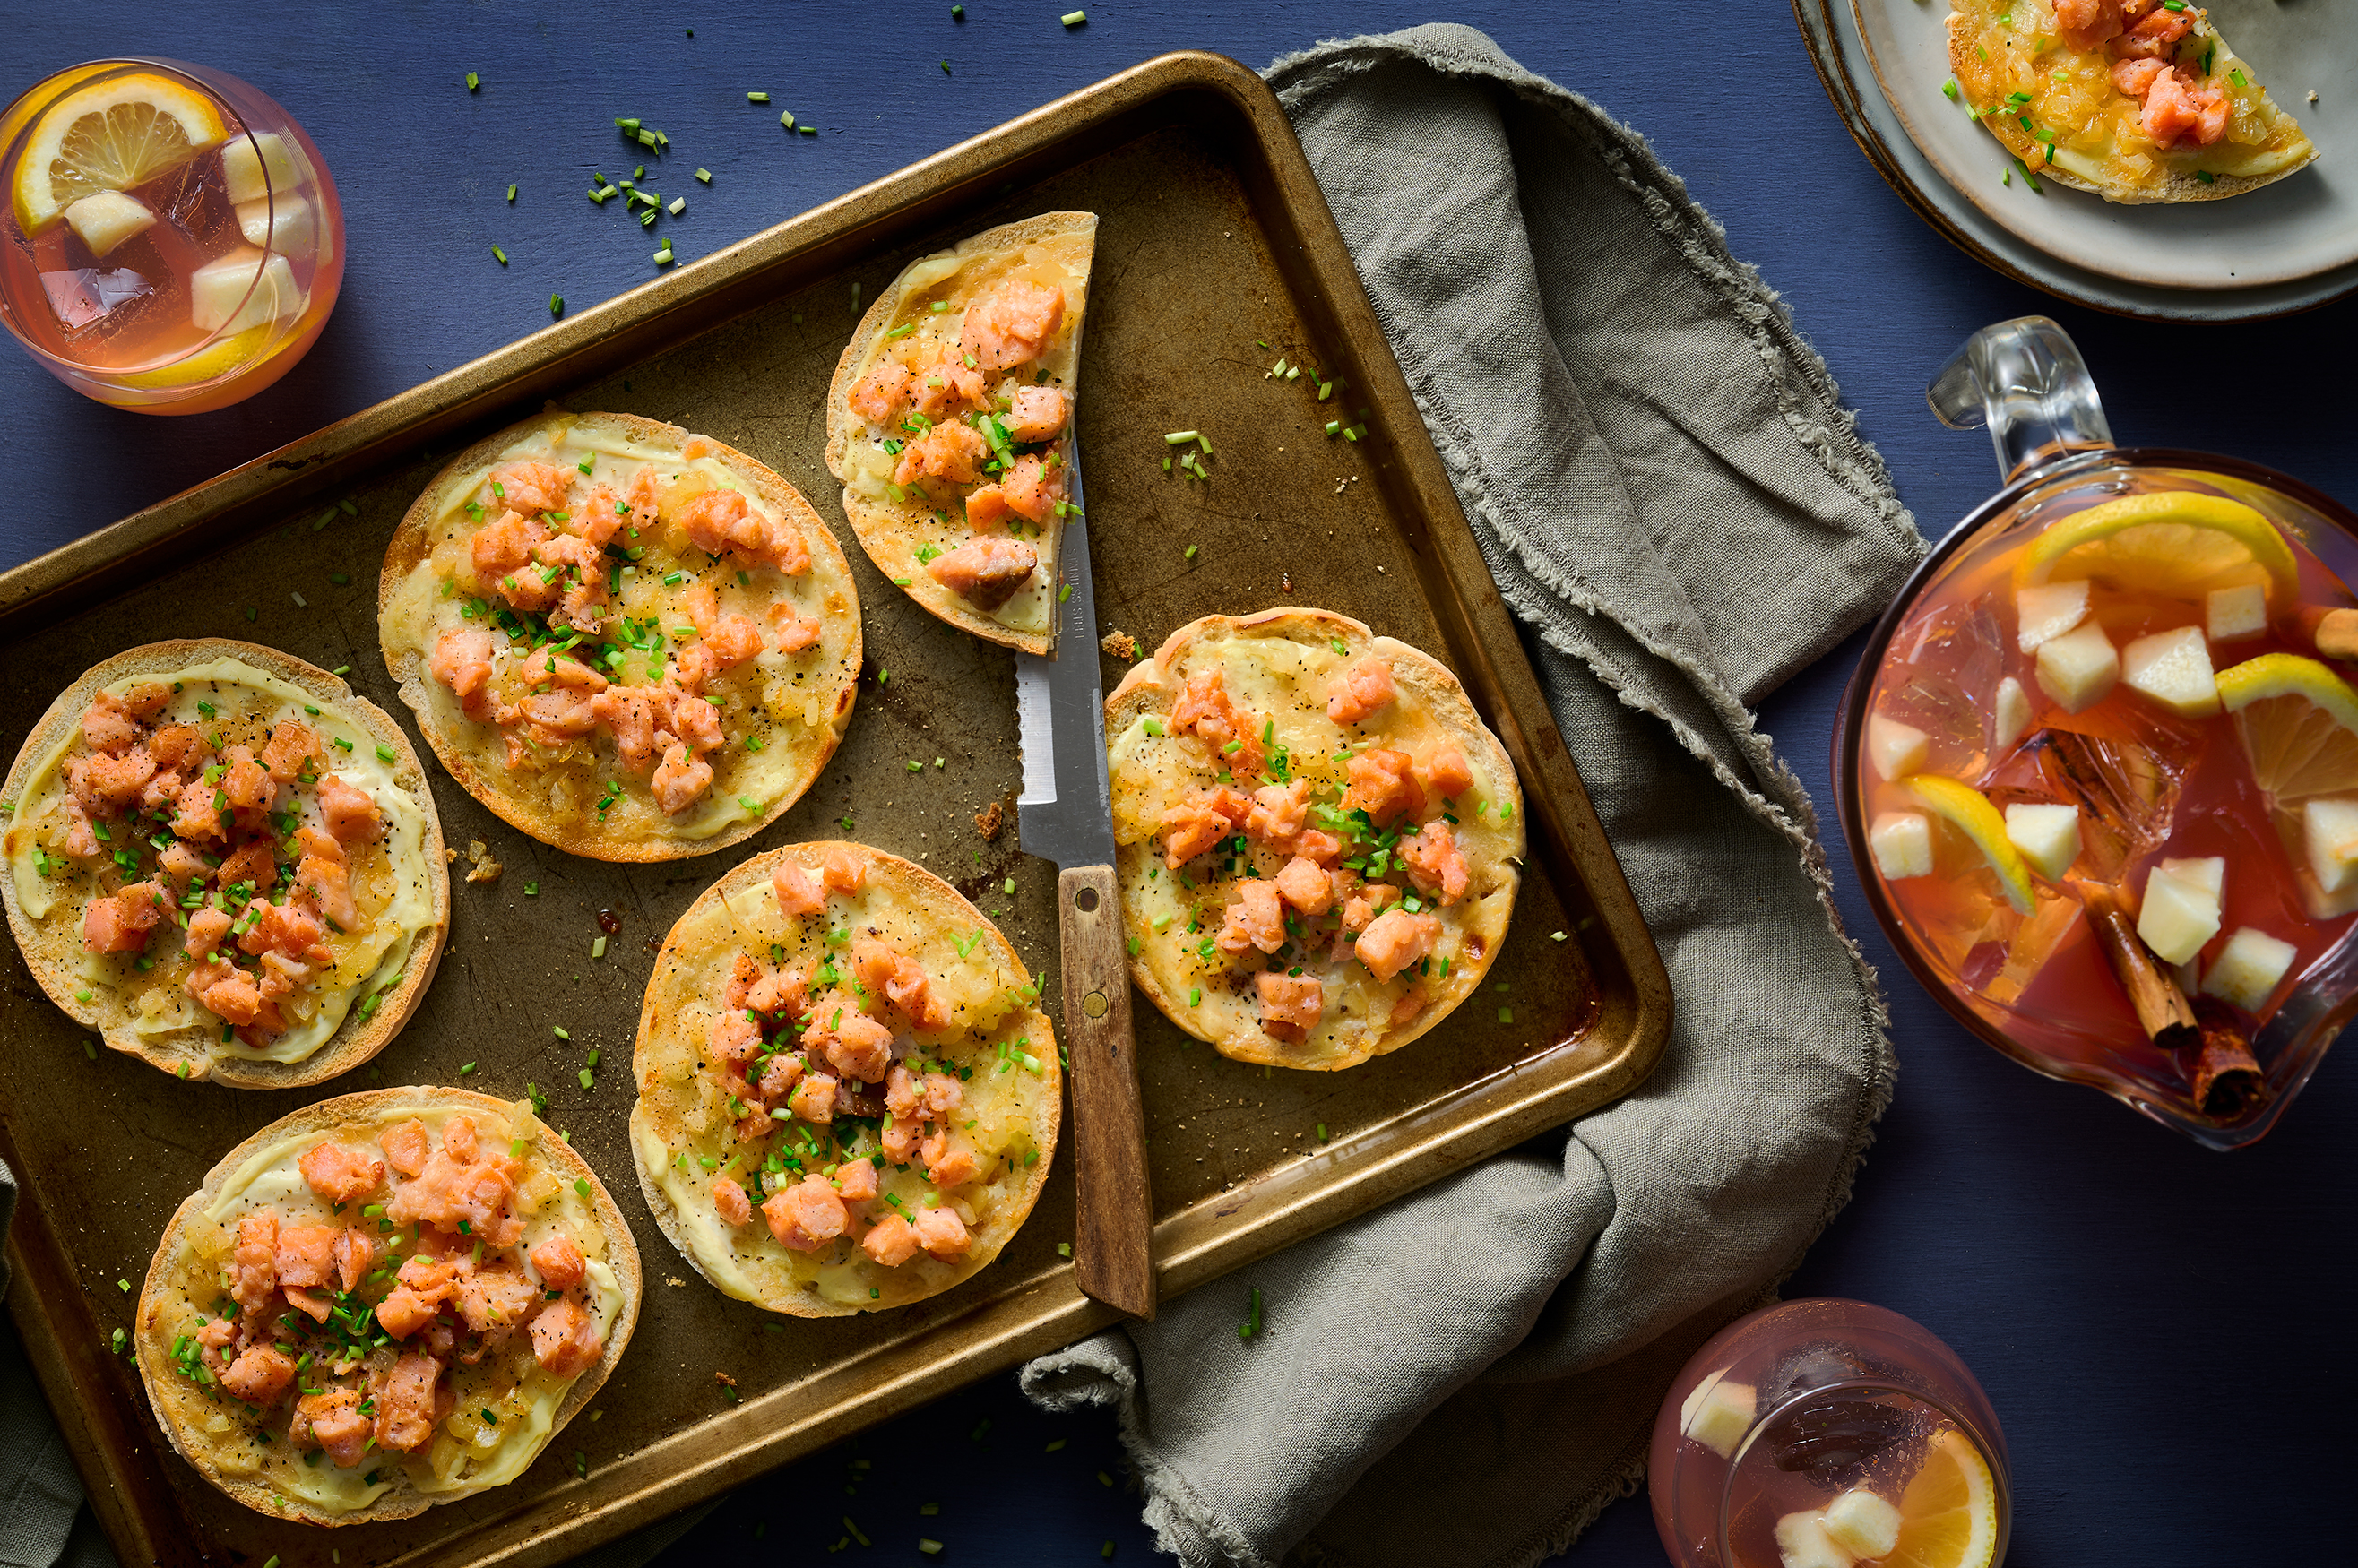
1114	1226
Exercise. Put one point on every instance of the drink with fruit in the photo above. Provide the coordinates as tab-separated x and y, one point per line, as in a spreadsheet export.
2100	766
173	242
1823	1434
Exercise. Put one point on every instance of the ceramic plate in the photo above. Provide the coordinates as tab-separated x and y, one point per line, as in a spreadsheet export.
2125	285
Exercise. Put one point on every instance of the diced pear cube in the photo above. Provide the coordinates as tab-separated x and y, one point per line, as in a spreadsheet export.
2330	827
2041	614
106	218
2209	873
1717	1413
2011	718
1802	1542
1896	749
219	297
2177	916
2174	669
1862	1523
282	224
2233	612
246	164
2048	836
2078	668
2247	968
1902	842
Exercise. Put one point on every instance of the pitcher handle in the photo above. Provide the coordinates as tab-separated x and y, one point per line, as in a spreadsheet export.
2026	381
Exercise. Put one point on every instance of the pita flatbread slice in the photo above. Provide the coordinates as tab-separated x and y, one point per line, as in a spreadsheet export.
949	422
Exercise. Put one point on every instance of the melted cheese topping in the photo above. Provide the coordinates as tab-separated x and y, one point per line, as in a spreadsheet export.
392	883
931	316
468	1453
773	708
2097	131
1283	684
685	1134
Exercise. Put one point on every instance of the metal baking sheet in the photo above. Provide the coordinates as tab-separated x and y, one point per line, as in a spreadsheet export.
1213	238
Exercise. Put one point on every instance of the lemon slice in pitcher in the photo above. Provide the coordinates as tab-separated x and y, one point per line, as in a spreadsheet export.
2298	723
115	135
1969	811
1948	1514
2177	543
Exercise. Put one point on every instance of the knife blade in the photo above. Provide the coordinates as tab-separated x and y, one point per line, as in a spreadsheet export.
1066	815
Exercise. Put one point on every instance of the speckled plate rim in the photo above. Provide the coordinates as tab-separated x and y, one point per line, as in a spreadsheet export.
2296	229
1831	33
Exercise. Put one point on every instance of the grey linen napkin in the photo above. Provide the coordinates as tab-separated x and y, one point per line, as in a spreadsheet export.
1675	501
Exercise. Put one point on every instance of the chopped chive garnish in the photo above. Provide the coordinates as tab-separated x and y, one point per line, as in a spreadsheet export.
511	195
678	205
1180	437
704	175
1075	18
557	305
473	82
1191	551
499	256
757	97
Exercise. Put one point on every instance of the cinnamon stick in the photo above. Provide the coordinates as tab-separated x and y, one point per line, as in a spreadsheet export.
2224	1077
2162	1010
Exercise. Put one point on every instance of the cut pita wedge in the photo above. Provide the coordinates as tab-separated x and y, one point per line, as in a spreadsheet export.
2126	99
949	423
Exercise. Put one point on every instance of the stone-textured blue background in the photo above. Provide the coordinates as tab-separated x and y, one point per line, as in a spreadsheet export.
2163	1331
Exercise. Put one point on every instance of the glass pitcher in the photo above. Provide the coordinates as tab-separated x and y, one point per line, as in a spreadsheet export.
2098	767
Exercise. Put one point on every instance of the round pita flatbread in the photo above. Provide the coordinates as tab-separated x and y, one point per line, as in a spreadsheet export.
1303	891
721	675
342	989
922	331
247	1452
819	1153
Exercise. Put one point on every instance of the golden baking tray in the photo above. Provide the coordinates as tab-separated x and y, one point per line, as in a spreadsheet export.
1214	238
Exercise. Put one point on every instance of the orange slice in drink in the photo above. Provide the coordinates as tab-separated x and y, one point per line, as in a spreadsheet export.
2298	723
114	136
2170	544
1948	1514
1970	812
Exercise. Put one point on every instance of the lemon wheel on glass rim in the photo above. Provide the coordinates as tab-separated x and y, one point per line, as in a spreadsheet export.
1948	1514
2299	724
2176	544
115	135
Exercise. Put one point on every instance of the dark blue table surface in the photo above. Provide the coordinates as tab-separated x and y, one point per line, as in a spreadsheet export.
2161	1329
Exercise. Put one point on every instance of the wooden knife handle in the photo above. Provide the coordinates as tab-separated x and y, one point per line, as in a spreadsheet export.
1114	1226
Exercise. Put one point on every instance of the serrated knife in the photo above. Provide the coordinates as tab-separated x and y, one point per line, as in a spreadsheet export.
1066	815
